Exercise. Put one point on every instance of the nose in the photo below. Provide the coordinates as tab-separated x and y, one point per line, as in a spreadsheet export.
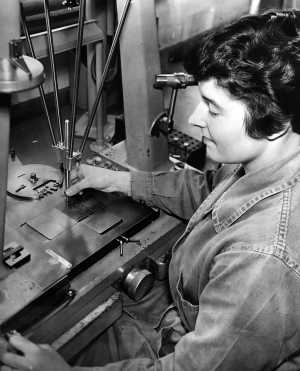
197	118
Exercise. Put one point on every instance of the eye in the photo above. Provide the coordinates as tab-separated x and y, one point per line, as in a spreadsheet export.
212	113
212	110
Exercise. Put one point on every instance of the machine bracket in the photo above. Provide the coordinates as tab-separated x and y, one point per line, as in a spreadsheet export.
15	255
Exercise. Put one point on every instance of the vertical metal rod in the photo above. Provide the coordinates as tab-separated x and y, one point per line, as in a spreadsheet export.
171	108
41	89
4	149
104	74
77	74
67	146
53	67
254	6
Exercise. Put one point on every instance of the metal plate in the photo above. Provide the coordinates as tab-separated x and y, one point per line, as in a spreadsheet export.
80	207
52	223
103	220
76	244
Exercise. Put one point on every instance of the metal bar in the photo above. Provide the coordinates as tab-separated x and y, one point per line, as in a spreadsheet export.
254	6
85	322
76	75
4	149
53	67
104	74
41	89
67	152
171	108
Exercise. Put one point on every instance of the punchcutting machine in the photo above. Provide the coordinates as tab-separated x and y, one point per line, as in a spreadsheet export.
64	259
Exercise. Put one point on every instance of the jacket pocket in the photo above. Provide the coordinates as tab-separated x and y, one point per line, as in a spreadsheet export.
188	311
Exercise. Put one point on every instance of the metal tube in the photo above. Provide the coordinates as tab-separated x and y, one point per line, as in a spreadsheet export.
76	75
4	148
53	67
104	74
67	145
171	108
41	89
254	6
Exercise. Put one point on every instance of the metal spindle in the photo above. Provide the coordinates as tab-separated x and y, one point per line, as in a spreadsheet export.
67	146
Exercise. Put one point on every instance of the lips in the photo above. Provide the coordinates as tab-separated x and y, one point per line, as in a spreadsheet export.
206	140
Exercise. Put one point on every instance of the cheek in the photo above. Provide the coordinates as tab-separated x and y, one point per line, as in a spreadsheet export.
229	142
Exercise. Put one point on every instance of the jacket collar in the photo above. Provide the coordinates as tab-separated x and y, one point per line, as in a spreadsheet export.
237	193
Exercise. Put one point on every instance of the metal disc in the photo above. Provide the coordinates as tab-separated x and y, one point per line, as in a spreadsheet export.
14	79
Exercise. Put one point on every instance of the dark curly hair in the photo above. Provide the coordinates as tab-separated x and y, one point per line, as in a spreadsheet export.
257	59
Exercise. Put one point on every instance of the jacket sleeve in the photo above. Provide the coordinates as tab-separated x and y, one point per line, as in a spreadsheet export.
177	192
241	321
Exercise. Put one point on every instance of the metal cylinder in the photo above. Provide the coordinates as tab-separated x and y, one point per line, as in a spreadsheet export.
9	24
138	283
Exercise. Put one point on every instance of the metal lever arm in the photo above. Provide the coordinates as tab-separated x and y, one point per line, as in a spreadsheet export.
164	122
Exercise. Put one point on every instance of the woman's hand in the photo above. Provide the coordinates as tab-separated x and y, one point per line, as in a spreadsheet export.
101	179
31	357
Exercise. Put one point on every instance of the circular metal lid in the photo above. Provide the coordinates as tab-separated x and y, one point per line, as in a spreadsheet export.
14	79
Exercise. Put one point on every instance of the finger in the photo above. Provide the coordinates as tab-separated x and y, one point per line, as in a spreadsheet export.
76	173
16	361
3	346
7	368
22	344
77	187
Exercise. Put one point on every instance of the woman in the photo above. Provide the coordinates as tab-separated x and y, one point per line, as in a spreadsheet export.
234	274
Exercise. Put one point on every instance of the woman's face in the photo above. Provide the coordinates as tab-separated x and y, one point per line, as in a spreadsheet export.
221	119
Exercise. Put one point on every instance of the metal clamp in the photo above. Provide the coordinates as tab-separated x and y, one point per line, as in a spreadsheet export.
123	239
164	122
15	255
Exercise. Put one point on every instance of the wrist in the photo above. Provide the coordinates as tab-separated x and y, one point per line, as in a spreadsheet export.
123	182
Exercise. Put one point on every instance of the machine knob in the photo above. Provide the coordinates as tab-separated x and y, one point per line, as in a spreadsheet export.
138	283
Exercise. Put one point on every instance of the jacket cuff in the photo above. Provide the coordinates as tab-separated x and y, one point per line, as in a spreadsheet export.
141	185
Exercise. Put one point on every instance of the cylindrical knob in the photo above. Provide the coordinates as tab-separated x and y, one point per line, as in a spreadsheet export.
138	283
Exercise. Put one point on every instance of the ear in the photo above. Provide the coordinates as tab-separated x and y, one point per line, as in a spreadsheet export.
276	136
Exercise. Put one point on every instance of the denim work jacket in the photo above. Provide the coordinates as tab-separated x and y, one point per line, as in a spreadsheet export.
235	272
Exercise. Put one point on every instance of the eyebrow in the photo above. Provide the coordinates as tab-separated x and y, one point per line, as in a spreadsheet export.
211	101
